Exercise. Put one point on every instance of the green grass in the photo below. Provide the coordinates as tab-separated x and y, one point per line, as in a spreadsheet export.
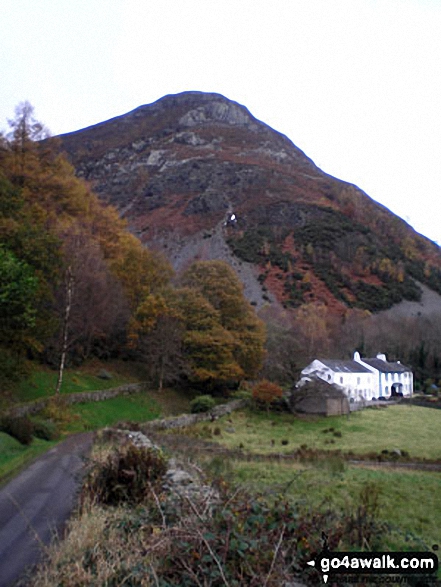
88	416
14	456
41	383
411	428
138	407
410	501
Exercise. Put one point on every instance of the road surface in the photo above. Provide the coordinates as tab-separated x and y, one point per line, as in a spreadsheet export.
35	505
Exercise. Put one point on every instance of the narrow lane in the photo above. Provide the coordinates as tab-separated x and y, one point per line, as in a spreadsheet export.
35	505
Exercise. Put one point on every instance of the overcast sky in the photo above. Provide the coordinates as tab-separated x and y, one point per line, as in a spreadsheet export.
356	84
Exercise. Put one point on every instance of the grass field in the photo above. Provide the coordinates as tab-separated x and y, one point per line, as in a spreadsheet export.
410	501
41	383
411	428
139	407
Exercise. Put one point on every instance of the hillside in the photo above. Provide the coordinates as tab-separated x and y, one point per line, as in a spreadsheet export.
178	170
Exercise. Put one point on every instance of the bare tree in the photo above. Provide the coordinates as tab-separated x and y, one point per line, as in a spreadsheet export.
90	302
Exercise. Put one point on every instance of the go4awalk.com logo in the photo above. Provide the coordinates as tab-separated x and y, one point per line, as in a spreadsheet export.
331	564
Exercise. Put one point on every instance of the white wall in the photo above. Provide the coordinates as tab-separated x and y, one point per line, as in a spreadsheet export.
382	382
356	385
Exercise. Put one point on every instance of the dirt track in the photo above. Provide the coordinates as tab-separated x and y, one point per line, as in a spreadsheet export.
36	504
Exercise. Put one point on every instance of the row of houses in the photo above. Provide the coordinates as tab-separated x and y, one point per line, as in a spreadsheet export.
362	379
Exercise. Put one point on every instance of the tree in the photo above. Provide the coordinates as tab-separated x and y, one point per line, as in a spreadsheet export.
217	282
283	348
208	347
265	392
311	323
155	332
18	285
25	131
90	302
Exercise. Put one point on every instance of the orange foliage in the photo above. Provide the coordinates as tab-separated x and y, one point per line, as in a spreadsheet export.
266	392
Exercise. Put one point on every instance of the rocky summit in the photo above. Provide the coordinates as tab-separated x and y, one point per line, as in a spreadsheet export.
197	176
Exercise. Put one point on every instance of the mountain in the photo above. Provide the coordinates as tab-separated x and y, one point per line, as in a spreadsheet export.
198	177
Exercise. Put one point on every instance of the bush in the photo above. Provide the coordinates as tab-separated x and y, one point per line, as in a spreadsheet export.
202	403
58	410
126	476
266	393
20	428
241	394
241	542
44	429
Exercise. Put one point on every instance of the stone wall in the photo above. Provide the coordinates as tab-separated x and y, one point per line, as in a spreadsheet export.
76	398
190	419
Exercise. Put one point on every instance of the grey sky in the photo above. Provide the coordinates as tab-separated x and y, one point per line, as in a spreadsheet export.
356	84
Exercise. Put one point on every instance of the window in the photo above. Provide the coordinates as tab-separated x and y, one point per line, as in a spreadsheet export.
358	380
387	376
341	379
329	377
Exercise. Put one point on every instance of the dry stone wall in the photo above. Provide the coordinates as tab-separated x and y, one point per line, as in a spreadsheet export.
76	398
190	419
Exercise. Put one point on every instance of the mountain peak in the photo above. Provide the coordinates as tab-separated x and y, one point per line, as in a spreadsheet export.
177	168
193	108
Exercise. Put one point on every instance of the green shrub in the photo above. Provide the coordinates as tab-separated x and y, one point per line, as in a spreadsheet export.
126	476
44	429
20	428
202	403
241	394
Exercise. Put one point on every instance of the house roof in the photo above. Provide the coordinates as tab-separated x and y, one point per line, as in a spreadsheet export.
317	388
386	366
344	366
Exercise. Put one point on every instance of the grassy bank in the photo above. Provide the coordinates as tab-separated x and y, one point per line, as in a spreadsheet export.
413	429
140	407
41	381
409	502
14	456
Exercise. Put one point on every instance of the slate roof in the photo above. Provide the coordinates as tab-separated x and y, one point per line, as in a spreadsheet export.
317	388
345	366
386	366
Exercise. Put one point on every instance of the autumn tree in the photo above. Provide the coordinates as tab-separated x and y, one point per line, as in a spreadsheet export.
243	333
208	347
22	139
311	323
155	333
91	271
266	393
283	347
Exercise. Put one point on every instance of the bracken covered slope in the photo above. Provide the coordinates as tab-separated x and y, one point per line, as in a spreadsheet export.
178	169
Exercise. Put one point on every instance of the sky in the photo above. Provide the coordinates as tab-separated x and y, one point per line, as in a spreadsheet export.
355	84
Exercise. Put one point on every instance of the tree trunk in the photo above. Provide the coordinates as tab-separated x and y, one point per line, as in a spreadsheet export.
161	373
64	339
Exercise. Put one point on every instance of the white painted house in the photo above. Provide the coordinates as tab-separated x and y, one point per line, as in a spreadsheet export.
392	378
362	379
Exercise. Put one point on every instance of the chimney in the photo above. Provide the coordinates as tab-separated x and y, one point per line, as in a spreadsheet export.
381	356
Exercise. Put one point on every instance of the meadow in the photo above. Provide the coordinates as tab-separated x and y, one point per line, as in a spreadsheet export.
412	429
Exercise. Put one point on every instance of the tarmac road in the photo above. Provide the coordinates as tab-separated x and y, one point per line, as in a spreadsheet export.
35	505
